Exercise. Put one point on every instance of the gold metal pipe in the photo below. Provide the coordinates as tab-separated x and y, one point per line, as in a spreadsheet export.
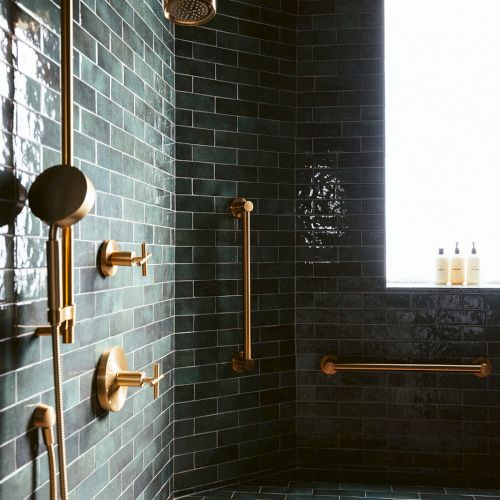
242	361
68	327
247	290
129	379
480	367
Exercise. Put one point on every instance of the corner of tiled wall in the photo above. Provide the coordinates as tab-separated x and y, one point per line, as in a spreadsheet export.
235	136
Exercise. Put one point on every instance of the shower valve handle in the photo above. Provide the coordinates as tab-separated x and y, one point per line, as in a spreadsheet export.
139	379
111	258
142	260
114	379
154	381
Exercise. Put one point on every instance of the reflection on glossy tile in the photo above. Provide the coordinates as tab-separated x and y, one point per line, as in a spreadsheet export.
26	284
27	124
6	252
26	155
320	202
35	65
5	148
7	285
26	91
6	73
50	103
25	27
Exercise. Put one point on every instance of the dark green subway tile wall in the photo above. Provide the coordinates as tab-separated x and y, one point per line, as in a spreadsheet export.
281	102
413	428
235	136
124	100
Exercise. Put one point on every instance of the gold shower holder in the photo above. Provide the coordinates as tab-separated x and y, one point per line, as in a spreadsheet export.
240	364
114	379
111	258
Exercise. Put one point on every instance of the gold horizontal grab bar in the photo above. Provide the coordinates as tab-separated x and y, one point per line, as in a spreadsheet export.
242	361
480	367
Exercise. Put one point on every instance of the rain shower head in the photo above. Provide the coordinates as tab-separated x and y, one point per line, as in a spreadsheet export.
189	12
61	195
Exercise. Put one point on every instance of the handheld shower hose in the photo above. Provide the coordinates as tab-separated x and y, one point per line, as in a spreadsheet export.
60	196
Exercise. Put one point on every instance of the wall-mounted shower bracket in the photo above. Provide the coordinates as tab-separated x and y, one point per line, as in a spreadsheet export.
111	258
240	364
64	314
240	206
114	379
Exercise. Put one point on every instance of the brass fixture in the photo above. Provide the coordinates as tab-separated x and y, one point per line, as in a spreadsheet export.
242	361
480	367
68	327
48	201
61	196
111	258
114	378
189	12
44	417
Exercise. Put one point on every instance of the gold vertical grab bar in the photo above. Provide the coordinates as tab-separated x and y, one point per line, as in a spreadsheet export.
242	361
480	367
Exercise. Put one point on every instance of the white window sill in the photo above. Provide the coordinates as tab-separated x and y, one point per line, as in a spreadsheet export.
404	284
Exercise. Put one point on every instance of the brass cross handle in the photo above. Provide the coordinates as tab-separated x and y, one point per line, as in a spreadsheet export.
139	379
142	260
111	258
154	381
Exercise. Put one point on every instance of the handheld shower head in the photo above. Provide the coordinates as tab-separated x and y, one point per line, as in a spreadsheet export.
61	196
189	12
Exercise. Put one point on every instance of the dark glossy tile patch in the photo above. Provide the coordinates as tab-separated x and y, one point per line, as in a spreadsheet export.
290	490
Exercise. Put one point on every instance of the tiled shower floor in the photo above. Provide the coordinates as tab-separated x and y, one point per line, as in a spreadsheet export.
291	490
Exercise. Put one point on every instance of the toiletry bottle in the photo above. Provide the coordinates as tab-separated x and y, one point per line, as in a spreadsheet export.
473	267
442	268
457	268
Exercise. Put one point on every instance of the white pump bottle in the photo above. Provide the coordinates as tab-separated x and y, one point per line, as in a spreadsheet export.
457	268
473	267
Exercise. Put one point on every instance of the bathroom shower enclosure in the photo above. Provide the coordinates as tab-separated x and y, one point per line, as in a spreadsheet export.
280	103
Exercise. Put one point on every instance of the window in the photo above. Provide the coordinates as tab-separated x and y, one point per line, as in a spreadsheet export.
442	92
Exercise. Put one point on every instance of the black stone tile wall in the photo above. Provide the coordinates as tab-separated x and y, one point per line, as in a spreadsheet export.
235	136
123	141
425	427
